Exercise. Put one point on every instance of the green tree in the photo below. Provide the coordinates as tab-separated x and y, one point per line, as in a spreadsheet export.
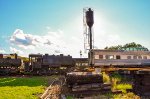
128	45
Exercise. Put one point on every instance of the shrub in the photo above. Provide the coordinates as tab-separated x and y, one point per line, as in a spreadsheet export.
123	87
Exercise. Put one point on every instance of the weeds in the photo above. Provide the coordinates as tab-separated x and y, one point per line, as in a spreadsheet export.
126	96
123	87
106	78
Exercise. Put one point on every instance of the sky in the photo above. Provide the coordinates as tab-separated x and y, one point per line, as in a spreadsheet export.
56	26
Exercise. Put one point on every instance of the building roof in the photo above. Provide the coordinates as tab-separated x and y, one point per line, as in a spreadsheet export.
120	52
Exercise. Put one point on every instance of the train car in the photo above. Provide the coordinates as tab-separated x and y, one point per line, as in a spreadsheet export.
9	65
49	64
121	58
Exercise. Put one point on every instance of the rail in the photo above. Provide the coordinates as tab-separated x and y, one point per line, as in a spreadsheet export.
54	90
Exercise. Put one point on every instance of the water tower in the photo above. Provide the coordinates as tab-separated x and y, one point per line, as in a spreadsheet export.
88	21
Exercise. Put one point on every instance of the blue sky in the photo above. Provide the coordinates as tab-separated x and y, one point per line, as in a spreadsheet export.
55	26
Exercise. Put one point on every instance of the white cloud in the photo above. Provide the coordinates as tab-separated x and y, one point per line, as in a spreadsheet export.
2	51
26	47
51	42
20	38
14	50
29	41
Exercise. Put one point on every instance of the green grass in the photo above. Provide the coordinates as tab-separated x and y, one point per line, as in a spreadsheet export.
22	88
119	83
69	97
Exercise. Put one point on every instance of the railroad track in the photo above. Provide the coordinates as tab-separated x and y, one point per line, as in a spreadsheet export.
54	90
58	89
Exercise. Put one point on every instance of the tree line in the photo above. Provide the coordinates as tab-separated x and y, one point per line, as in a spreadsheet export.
128	45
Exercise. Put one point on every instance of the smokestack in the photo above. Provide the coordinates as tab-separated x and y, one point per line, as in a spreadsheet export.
16	56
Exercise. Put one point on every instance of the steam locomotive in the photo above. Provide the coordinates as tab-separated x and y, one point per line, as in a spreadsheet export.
49	64
38	64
